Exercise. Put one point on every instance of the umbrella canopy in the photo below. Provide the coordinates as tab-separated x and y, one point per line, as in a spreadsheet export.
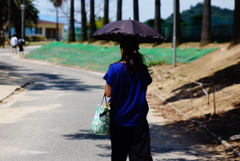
115	31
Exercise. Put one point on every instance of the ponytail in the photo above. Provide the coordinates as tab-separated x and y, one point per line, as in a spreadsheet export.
134	59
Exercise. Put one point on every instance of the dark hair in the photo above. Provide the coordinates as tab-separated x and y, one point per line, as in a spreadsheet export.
134	59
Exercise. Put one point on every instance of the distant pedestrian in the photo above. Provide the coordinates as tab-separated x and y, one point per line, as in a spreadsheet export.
14	44
126	83
21	42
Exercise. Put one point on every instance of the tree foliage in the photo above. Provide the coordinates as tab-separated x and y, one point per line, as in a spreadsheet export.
3	13
57	3
31	14
219	16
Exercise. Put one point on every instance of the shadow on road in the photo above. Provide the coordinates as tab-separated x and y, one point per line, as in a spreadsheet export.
169	139
173	137
10	74
176	138
184	138
85	135
18	75
54	81
88	135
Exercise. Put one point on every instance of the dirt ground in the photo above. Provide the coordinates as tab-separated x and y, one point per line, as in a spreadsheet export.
206	90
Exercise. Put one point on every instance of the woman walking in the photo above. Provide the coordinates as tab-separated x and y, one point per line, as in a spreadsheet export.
126	83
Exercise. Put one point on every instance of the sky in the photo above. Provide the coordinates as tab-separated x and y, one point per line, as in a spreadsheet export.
146	8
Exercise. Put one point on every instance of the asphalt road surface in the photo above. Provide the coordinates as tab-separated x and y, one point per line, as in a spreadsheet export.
50	119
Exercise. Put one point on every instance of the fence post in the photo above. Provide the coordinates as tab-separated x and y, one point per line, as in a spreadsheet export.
214	102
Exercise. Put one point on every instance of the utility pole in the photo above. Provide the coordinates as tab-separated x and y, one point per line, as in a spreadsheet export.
24	17
22	6
174	32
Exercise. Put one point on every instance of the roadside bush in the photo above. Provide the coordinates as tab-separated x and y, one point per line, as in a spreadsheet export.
155	62
35	38
27	38
38	38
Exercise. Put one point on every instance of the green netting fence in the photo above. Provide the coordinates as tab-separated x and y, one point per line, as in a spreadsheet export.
99	57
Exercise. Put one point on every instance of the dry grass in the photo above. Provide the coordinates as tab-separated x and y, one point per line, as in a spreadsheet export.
216	102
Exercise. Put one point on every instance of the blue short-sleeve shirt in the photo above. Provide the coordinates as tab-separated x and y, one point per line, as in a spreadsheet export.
128	96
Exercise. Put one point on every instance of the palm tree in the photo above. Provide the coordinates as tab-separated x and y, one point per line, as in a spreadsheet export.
8	8
71	34
31	15
57	4
12	7
3	13
92	17
9	19
135	10
106	10
206	23
178	24
3	19
84	21
119	10
236	24
157	20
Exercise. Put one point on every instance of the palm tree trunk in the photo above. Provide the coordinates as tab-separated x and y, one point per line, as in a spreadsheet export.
119	10
9	19
157	20
84	21
24	17
236	24
92	17
178	24
135	10
57	4
71	34
206	24
106	10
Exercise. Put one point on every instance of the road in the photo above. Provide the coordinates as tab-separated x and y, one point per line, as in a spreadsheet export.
50	119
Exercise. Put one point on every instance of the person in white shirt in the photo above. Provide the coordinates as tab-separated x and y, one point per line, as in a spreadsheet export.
14	43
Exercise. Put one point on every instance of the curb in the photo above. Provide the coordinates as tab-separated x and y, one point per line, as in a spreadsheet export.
202	125
13	91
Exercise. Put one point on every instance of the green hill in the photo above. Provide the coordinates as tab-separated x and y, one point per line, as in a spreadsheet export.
193	15
100	57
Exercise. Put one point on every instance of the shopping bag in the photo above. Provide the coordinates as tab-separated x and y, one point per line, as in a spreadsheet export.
101	120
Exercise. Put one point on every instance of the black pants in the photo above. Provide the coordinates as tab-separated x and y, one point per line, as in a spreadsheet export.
130	140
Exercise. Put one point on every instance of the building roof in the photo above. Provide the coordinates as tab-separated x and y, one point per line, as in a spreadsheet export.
47	22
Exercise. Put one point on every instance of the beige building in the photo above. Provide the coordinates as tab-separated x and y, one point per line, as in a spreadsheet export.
47	29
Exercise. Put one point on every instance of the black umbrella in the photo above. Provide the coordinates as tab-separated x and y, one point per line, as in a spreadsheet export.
115	31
